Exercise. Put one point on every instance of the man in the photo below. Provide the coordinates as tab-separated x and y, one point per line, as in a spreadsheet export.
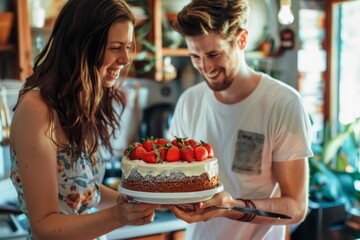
258	127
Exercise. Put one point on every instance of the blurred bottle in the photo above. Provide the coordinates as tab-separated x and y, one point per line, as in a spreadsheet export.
37	14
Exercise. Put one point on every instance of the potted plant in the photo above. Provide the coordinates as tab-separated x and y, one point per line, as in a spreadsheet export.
334	171
335	167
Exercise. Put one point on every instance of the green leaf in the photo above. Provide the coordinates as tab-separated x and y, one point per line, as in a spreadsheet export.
143	31
148	45
80	183
141	56
332	145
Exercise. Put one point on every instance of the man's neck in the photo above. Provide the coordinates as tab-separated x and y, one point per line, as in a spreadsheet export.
240	89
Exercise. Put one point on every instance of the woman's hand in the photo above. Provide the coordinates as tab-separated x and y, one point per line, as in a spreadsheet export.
202	211
130	212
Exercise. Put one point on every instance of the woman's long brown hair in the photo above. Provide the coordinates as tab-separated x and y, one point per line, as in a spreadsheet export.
66	72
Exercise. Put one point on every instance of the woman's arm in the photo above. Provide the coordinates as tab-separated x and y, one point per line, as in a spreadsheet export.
36	156
108	197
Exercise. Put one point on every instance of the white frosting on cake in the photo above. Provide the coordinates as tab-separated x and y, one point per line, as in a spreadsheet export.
195	168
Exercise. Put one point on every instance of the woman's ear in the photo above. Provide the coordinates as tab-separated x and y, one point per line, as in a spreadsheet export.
242	39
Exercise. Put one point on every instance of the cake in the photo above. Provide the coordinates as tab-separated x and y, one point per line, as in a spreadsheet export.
180	165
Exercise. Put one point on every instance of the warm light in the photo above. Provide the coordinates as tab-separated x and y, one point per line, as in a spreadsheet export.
285	16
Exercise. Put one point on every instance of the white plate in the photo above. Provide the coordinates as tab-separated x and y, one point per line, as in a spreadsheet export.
172	198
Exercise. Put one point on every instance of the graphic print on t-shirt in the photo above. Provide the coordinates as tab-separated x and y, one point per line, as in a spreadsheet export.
248	152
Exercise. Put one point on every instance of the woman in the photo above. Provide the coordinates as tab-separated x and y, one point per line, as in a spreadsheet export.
63	114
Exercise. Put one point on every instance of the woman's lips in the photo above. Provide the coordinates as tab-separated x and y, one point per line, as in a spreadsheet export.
115	73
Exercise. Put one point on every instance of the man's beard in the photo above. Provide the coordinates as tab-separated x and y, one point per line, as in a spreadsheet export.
221	86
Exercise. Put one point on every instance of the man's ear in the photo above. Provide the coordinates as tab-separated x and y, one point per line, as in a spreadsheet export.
242	39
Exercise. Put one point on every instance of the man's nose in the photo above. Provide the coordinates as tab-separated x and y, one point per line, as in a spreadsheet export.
206	65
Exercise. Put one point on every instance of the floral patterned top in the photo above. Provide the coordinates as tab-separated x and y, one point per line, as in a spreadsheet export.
78	183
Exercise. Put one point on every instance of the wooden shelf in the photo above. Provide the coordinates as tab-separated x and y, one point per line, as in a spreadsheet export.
7	47
20	64
175	52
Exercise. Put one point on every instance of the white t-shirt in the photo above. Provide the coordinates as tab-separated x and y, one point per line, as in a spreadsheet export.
269	125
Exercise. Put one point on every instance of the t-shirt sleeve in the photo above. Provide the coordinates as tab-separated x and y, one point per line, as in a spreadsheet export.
292	130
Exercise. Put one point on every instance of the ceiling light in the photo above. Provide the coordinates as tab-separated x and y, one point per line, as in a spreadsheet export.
285	16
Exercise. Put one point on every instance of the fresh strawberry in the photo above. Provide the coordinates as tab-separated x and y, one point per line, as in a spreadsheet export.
179	142
161	141
187	154
130	147
137	153
200	153
148	143
162	152
208	148
149	157
190	142
173	154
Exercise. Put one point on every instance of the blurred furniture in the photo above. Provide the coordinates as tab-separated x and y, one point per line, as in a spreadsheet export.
328	221
165	226
15	54
325	221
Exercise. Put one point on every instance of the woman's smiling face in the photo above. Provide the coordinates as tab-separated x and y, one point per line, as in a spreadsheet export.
117	52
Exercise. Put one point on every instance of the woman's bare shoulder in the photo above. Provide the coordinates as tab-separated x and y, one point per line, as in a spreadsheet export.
31	115
32	105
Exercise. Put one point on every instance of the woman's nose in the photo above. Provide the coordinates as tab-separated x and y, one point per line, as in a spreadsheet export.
124	58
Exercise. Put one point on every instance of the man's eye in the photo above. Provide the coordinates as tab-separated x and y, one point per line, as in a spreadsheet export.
214	55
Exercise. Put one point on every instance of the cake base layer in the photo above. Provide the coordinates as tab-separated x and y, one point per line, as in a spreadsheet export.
175	182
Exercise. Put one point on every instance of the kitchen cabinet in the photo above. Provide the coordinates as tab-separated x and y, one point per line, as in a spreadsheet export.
155	36
15	55
26	38
28	41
